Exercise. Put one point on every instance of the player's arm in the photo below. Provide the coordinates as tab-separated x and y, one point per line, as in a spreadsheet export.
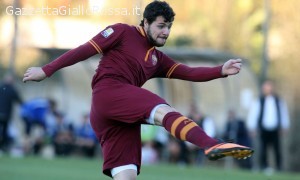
69	58
102	42
195	74
199	74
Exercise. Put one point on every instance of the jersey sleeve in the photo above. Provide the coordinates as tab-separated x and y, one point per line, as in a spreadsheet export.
108	38
173	70
69	58
165	65
103	41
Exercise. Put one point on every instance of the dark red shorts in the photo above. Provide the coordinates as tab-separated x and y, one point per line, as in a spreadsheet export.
117	112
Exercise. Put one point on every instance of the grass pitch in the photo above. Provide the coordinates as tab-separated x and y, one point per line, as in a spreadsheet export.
30	168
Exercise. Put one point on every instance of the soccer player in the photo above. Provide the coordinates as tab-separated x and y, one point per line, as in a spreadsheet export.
120	105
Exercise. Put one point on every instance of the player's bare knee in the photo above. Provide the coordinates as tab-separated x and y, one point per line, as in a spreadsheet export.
158	113
161	112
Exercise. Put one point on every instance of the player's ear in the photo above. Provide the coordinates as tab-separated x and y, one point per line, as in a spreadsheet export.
146	24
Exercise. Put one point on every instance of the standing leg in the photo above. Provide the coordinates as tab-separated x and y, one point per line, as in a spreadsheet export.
263	150
28	124
200	157
2	133
276	146
4	140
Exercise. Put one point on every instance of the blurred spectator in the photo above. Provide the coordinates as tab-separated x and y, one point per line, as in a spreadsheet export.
63	138
149	152
86	140
236	130
34	112
269	116
160	142
207	124
8	97
51	118
39	115
177	151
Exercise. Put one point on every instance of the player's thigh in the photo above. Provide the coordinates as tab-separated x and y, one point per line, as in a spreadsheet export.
125	103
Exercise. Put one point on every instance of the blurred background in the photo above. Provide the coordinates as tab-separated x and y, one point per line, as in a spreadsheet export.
50	118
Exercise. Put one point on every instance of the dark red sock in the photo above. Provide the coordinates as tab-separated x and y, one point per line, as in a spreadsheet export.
185	129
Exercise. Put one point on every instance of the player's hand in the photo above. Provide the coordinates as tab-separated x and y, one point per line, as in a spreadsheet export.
231	67
34	74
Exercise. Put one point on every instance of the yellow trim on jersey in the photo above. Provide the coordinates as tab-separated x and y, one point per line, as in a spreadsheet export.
186	129
176	123
93	43
171	70
141	30
147	54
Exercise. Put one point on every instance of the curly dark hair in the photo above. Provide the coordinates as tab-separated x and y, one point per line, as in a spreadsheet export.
158	8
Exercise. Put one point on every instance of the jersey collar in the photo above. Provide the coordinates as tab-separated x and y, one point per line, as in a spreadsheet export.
141	30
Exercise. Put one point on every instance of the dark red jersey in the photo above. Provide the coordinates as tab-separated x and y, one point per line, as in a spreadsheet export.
128	55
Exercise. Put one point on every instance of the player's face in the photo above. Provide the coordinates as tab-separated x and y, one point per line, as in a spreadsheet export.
158	31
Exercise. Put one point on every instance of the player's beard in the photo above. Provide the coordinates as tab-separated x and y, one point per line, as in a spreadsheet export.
152	40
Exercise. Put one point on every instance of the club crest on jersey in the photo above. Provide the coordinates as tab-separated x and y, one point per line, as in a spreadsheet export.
107	32
154	60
